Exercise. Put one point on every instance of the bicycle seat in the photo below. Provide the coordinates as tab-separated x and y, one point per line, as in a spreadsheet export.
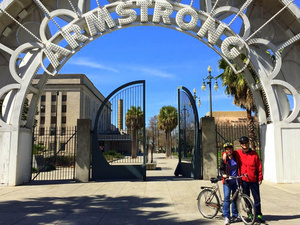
214	180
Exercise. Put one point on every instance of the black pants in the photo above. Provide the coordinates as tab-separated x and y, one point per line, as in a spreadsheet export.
254	187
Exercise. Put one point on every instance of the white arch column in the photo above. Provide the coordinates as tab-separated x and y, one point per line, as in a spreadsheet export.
15	156
281	153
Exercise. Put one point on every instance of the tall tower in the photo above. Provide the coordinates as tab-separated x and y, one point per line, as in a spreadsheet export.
120	114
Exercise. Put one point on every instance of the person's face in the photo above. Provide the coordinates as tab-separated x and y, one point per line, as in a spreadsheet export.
229	151
245	145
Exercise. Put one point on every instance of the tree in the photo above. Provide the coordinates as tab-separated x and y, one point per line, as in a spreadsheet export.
167	121
152	134
236	86
134	120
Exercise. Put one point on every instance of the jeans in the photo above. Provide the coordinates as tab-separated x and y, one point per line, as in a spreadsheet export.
231	188
254	187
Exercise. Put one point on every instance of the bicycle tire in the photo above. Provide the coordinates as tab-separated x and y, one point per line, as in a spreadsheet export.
208	209
246	209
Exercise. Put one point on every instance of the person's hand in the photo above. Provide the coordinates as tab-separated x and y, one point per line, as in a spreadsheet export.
260	182
224	156
224	175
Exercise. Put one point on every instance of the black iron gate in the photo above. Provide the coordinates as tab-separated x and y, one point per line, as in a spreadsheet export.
118	143
189	152
53	154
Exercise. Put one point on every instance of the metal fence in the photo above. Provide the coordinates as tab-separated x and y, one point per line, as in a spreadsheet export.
53	154
119	143
232	133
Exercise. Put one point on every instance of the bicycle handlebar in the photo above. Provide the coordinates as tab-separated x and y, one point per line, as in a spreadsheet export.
236	177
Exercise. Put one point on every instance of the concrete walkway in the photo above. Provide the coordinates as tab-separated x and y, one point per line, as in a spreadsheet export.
162	199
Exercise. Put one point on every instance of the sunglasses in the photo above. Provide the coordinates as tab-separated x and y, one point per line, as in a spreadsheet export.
244	143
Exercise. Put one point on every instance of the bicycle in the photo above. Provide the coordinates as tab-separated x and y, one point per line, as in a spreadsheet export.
209	201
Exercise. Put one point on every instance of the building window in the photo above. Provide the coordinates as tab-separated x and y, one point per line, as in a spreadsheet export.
52	146
62	147
64	108
53	108
43	108
53	98
52	131
42	120
64	98
53	119
42	131
63	119
43	98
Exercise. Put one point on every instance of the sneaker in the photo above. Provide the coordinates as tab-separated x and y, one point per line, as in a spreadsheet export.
235	219
260	219
226	221
250	216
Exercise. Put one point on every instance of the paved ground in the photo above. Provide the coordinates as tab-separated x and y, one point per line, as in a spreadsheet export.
162	199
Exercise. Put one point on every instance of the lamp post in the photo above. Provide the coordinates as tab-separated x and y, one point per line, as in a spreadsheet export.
195	97
55	137
185	114
203	87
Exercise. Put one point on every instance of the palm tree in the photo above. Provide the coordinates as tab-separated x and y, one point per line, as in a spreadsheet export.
134	120
236	86
167	121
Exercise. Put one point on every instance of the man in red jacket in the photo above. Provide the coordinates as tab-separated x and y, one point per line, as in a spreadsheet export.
251	165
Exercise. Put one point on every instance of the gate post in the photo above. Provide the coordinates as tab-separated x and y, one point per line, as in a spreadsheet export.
83	151
209	148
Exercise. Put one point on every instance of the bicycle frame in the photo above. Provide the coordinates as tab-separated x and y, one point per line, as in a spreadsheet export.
216	190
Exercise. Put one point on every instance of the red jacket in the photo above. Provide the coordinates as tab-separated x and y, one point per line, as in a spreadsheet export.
250	165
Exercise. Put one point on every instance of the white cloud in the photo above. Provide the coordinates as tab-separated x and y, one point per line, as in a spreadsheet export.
84	61
88	62
152	72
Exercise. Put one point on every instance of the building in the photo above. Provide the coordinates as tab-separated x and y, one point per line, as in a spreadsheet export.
66	98
231	117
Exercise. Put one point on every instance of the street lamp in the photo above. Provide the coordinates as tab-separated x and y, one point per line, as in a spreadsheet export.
55	137
203	87
195	97
185	114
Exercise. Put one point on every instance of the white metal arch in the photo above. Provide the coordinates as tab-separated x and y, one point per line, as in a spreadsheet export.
269	95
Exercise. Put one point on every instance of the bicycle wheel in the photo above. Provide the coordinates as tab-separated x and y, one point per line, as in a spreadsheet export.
246	209
208	203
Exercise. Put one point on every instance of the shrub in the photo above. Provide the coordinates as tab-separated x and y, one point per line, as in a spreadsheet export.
50	167
111	155
67	161
38	149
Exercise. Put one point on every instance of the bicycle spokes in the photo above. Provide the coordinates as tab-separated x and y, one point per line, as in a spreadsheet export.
208	203
246	209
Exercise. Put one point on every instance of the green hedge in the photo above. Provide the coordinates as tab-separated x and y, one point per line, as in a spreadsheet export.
111	155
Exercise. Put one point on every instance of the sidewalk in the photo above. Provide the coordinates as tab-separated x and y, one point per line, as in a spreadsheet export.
162	199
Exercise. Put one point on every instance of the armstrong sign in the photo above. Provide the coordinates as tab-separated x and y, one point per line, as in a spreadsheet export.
100	20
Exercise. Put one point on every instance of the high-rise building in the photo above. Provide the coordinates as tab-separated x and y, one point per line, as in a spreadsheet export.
66	98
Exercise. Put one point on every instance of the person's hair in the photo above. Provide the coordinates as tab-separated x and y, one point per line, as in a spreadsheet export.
244	139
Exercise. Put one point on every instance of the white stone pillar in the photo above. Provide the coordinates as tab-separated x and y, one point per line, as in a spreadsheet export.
281	152
15	156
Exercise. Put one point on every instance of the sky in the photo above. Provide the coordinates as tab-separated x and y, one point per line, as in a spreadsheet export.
165	58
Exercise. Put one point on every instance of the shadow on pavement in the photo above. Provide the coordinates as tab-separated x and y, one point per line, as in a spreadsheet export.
269	218
97	209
